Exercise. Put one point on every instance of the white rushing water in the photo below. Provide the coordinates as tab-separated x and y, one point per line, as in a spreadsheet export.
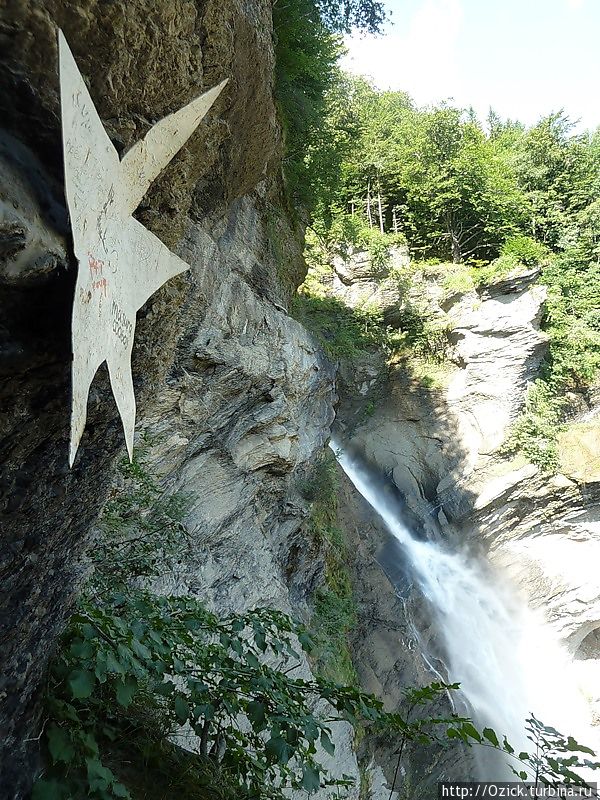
506	659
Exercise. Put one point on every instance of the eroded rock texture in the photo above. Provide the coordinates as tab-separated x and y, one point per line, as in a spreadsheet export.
440	447
215	354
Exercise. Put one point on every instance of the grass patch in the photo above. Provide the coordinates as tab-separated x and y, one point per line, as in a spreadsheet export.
341	331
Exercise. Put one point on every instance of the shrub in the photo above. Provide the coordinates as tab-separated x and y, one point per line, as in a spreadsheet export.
535	433
525	250
129	654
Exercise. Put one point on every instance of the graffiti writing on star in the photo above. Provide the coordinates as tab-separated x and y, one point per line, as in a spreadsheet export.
121	324
98	281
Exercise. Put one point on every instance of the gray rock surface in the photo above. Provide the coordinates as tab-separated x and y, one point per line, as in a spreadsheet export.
440	448
222	375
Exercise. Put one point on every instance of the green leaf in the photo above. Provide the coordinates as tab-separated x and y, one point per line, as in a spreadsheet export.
125	691
81	649
60	745
490	735
47	790
89	742
327	744
165	689
507	747
306	642
574	745
311	730
256	712
89	631
278	749
119	790
140	650
252	660
112	665
182	710
99	776
82	683
471	731
311	781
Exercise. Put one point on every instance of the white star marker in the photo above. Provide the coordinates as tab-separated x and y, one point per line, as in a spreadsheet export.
121	264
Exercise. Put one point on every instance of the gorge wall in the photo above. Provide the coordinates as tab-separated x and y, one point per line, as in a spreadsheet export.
440	448
235	398
236	395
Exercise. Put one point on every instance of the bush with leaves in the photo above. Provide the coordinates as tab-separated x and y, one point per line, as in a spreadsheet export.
525	250
229	681
554	760
234	687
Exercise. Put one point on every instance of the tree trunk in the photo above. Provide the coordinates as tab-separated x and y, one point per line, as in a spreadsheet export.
369	215
456	252
379	206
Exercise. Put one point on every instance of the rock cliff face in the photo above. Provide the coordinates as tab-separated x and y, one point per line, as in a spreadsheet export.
440	448
223	376
234	397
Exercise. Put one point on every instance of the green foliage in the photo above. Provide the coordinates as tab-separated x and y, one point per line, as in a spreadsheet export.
488	273
553	760
333	618
430	174
535	431
457	193
525	250
321	486
135	669
306	52
203	672
311	91
140	526
555	757
344	15
342	332
572	323
572	319
495	204
334	613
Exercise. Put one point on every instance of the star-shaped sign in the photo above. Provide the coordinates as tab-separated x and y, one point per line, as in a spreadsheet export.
120	262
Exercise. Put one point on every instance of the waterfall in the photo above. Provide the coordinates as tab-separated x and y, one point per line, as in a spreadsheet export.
505	657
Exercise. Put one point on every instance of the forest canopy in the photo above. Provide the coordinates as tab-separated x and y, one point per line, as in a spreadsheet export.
456	188
370	168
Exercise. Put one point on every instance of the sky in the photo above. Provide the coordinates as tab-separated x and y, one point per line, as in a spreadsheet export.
524	58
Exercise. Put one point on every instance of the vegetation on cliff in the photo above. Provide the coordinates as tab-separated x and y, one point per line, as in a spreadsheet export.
151	694
487	201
